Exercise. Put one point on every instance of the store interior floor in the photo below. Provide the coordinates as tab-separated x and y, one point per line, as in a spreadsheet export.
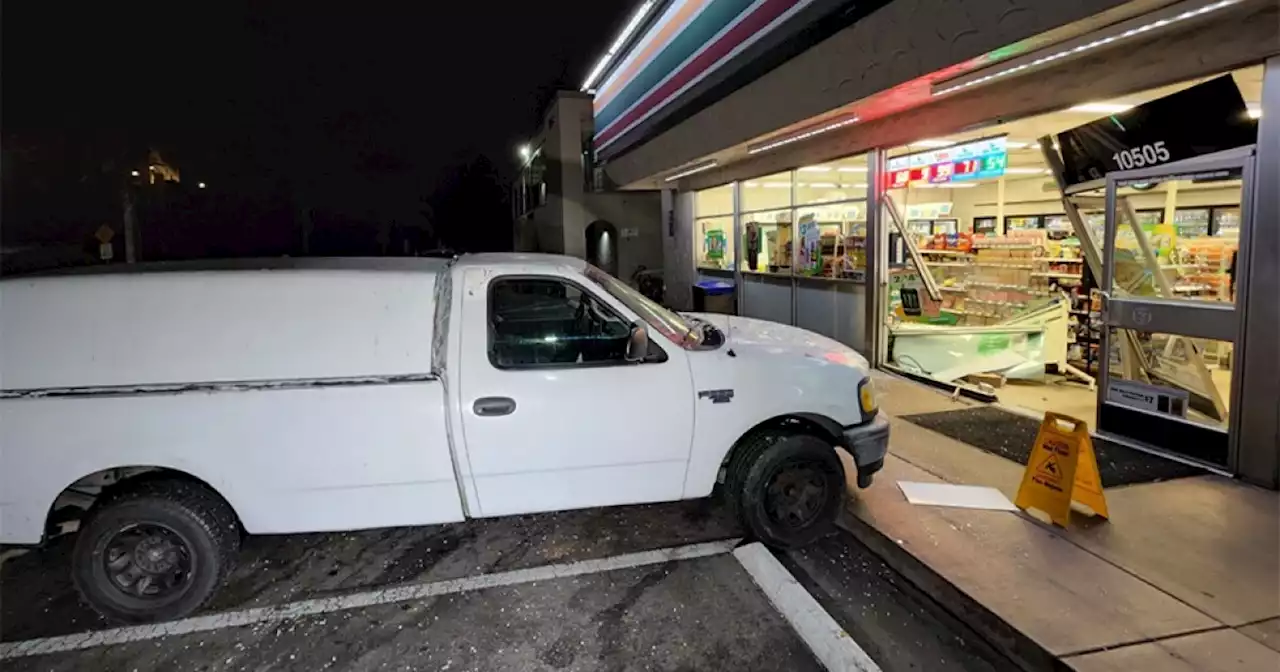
1069	396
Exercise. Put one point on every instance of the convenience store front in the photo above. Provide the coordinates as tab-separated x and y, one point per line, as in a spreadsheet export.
986	259
994	289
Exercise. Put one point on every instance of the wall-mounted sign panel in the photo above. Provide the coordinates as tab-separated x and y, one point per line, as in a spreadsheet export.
1206	118
958	163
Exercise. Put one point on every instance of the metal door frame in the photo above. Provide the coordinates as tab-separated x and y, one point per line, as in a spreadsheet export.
1170	315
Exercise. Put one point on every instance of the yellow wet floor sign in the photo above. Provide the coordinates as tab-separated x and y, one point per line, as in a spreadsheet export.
1062	468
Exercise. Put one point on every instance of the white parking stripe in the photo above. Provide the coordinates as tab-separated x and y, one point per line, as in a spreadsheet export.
834	648
36	647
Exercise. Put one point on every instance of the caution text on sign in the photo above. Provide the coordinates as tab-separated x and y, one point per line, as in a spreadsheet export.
1062	469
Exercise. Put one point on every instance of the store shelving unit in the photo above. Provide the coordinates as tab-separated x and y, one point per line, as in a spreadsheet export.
843	243
1009	281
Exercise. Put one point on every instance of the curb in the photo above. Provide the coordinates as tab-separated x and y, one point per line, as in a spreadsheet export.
1017	647
830	644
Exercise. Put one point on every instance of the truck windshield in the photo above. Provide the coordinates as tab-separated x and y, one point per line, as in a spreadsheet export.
675	328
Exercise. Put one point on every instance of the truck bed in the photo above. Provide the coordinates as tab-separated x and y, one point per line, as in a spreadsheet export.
306	398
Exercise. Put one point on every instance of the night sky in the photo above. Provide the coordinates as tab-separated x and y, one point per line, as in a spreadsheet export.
367	109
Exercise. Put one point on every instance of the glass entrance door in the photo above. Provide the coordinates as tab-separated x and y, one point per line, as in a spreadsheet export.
1170	323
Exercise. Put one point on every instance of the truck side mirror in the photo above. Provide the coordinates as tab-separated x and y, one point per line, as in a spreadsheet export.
637	343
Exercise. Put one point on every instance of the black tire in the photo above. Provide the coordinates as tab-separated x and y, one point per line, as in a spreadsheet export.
762	476
198	538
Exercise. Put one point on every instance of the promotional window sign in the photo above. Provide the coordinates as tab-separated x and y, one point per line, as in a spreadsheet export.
1206	118
810	246
715	244
975	160
753	245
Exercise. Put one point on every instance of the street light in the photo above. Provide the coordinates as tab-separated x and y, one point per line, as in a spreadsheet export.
525	152
201	185
134	173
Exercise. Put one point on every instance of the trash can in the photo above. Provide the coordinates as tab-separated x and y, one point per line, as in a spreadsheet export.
714	296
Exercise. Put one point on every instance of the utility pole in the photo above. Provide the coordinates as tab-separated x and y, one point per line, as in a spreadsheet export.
130	226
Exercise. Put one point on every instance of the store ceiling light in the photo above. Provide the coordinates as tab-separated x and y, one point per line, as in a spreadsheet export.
823	185
933	143
816	169
853	186
852	169
1116	33
1255	112
694	169
627	31
774	144
1014	144
777	185
1025	171
1101	108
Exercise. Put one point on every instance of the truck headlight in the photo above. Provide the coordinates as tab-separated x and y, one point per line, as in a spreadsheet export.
867	397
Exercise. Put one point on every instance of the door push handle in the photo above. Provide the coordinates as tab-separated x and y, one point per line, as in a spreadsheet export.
488	407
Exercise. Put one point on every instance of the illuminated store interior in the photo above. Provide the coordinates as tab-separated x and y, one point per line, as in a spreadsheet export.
1017	307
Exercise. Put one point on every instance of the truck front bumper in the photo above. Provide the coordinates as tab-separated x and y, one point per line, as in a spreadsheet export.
868	443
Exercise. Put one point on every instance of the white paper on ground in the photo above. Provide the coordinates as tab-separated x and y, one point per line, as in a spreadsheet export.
963	496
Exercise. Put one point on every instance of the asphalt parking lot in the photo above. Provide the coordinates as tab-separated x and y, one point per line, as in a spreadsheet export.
647	587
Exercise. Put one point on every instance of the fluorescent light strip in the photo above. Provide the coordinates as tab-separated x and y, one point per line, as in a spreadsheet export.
1101	108
851	169
933	143
1102	41
1025	171
1254	112
621	40
696	169
802	136
815	169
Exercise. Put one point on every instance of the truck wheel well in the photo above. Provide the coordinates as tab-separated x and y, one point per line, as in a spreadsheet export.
812	424
80	497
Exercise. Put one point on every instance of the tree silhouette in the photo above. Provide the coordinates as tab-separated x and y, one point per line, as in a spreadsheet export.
470	210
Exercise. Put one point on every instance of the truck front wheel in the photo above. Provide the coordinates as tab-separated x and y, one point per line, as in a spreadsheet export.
154	551
787	488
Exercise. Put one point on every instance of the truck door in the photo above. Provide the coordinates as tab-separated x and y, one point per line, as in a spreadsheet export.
553	415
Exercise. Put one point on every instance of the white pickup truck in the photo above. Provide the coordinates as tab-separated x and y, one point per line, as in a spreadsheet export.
181	408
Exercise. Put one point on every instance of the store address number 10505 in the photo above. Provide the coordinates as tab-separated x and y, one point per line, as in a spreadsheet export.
1137	157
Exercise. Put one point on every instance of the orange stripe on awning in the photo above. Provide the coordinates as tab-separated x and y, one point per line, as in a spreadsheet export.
677	22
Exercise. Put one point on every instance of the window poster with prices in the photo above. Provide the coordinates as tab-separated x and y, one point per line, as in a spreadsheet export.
1206	118
976	160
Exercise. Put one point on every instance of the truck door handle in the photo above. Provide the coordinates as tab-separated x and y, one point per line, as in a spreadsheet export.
487	407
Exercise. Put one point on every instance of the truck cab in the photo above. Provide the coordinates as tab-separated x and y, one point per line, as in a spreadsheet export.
617	400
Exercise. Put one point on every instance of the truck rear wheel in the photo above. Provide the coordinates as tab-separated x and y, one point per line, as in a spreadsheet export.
787	488
155	551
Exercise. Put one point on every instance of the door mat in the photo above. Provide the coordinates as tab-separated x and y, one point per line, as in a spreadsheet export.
1011	436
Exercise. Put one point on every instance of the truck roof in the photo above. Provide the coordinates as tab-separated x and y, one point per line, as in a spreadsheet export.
527	261
506	260
428	264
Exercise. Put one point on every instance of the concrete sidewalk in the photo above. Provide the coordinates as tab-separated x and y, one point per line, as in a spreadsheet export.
1185	575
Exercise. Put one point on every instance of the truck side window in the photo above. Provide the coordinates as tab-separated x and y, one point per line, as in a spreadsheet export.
546	322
